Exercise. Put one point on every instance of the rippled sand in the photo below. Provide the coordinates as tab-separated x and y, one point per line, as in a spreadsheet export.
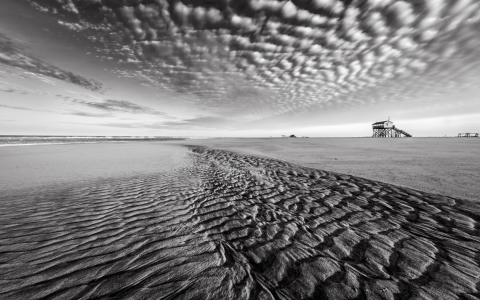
221	225
446	166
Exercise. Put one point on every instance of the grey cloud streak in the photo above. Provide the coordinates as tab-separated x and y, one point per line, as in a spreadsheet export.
254	59
15	107
209	123
110	105
85	114
12	54
195	123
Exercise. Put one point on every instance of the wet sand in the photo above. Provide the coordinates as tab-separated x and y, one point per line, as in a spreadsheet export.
50	166
214	224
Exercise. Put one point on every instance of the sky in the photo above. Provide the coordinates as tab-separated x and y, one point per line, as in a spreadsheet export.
238	67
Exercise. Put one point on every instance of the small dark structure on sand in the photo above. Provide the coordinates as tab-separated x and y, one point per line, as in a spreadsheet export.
386	129
468	134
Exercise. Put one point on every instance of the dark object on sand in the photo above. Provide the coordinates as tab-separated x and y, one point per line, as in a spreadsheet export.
292	136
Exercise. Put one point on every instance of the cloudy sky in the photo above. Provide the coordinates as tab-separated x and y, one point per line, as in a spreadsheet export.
238	67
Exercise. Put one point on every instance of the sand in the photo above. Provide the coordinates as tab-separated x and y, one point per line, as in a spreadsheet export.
445	166
53	166
216	224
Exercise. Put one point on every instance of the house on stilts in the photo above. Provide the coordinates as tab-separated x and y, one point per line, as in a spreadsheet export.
386	129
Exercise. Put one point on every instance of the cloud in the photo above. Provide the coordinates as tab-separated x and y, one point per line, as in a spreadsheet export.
118	106
7	87
117	125
12	54
201	122
85	114
15	107
259	58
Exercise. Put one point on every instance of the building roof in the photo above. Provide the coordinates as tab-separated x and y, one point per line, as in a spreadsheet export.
381	122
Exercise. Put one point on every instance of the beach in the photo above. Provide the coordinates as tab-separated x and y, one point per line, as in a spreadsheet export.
445	166
240	219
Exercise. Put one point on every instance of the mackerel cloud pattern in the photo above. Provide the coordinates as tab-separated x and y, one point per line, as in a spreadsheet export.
269	57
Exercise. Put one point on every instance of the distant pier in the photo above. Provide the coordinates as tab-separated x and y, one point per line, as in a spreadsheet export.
468	134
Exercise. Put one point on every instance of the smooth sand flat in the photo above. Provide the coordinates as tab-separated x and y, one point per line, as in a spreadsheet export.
53	166
222	225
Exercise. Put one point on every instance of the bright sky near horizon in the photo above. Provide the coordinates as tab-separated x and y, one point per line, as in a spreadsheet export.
238	67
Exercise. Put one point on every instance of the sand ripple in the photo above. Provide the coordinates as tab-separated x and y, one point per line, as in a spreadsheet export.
230	226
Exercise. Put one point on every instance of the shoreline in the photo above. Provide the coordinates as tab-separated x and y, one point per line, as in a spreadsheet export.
442	166
34	140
